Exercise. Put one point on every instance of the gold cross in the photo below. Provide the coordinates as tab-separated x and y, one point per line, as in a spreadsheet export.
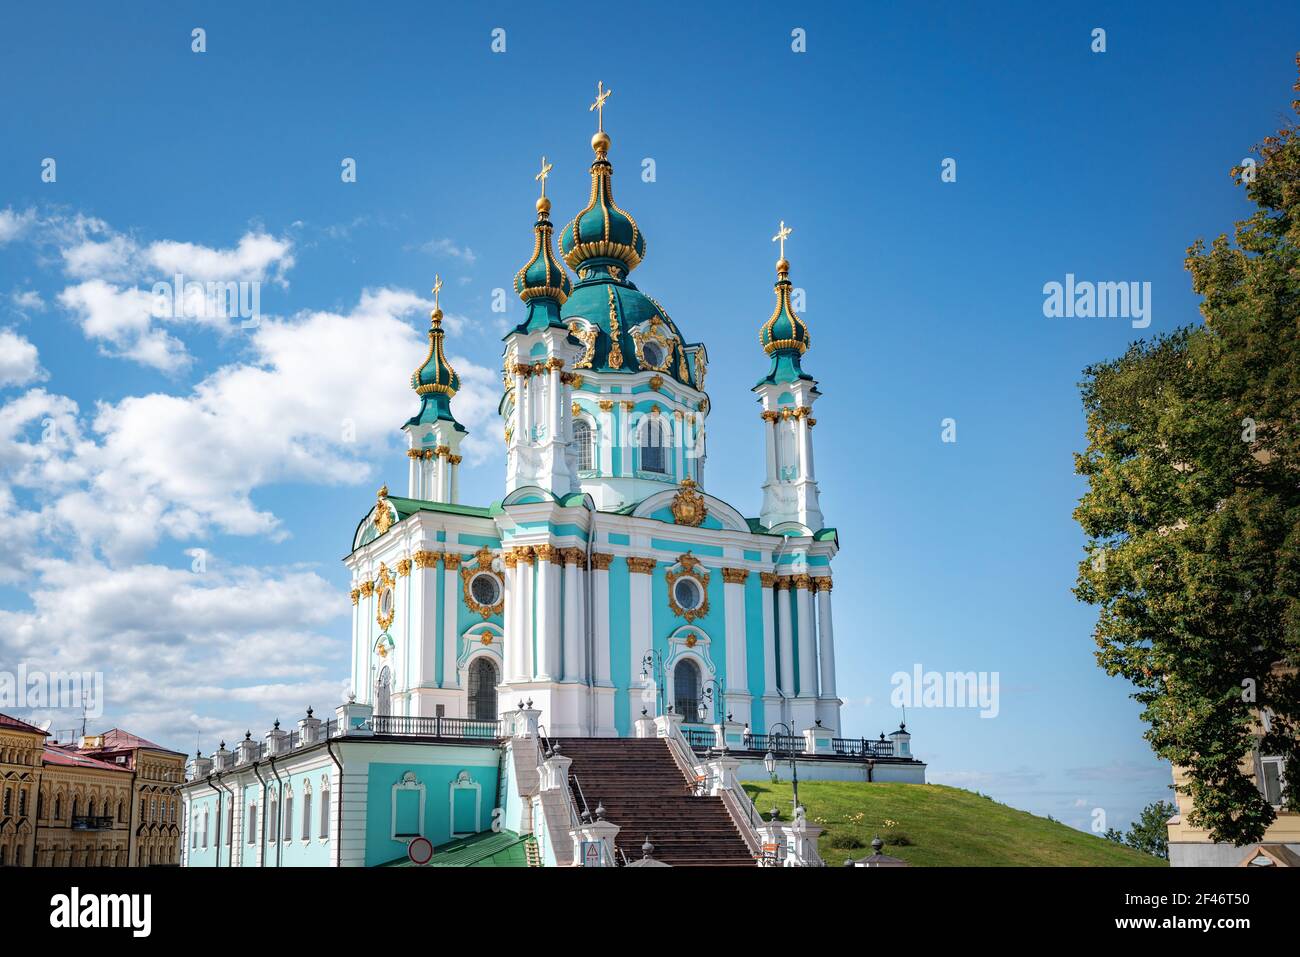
546	171
602	95
781	235
437	288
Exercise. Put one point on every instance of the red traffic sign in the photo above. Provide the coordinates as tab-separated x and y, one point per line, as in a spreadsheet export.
420	851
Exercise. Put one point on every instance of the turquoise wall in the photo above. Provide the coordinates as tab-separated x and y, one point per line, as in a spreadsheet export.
437	779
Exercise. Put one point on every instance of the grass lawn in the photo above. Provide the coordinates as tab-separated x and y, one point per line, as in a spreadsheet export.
930	825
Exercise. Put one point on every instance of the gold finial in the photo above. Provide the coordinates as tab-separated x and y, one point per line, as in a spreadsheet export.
382	493
436	315
600	141
543	204
602	95
780	237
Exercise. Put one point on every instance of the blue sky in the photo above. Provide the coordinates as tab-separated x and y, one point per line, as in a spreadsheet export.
924	299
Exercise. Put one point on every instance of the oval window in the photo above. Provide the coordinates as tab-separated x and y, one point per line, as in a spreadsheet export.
652	354
486	589
386	603
688	594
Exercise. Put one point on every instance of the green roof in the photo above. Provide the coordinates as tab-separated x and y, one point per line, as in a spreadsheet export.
486	849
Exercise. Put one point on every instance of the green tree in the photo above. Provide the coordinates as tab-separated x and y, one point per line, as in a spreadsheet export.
1193	509
1148	833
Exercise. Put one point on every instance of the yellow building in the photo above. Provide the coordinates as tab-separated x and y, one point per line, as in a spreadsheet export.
83	813
21	746
112	800
158	774
1192	847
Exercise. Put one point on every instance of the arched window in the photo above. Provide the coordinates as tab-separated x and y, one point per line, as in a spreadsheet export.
273	817
252	823
383	691
652	446
288	814
585	439
686	690
483	689
306	814
324	808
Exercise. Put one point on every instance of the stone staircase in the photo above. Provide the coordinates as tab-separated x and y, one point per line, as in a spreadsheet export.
646	794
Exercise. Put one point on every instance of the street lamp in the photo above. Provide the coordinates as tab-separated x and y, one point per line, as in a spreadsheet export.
712	698
652	669
775	751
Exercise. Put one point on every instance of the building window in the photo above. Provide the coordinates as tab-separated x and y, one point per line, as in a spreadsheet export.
585	439
252	824
22	803
205	828
485	589
687	593
686	690
324	811
652	447
306	816
383	691
230	825
194	832
9	800
483	689
273	817
1272	779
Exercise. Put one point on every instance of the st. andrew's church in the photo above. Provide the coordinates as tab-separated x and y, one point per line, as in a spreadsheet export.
605	595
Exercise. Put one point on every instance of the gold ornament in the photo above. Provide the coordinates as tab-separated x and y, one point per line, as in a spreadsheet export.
468	574
688	506
383	517
688	565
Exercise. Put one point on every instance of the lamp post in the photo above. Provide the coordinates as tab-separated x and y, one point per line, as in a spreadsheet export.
775	752
652	669
713	698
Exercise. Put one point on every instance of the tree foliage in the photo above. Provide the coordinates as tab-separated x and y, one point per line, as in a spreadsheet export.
1193	509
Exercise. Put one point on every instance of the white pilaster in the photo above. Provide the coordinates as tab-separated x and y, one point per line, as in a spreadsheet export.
514	650
807	638
600	619
574	623
450	631
549	637
784	637
640	616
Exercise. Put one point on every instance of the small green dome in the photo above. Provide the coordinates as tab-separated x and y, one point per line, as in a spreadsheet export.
543	276
784	333
435	374
631	330
602	234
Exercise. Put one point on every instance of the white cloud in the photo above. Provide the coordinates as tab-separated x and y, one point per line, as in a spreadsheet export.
448	247
28	299
319	401
19	360
244	643
14	224
256	256
121	319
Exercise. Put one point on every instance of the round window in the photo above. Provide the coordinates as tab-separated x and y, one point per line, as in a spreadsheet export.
688	594
652	354
486	589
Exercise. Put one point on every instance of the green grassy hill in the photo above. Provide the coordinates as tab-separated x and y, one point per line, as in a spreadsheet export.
930	825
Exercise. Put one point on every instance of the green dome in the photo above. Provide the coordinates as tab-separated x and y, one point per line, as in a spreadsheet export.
602	234
435	381
543	276
615	309
784	332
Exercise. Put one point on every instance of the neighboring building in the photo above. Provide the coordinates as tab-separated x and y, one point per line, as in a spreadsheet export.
110	801
1280	847
606	595
158	773
83	813
21	745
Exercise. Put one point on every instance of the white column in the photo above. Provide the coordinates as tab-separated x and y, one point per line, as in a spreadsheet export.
574	624
639	620
770	434
807	638
805	443
826	636
769	636
548	615
426	478
450	631
455	482
733	599
514	651
600	621
413	469
679	441
783	587
526	593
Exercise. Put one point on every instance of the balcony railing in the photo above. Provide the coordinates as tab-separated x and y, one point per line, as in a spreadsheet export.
863	747
461	729
700	740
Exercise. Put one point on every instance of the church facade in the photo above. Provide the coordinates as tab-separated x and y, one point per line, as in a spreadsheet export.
606	580
511	659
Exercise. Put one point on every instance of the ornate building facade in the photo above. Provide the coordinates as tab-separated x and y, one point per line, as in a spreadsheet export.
607	580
